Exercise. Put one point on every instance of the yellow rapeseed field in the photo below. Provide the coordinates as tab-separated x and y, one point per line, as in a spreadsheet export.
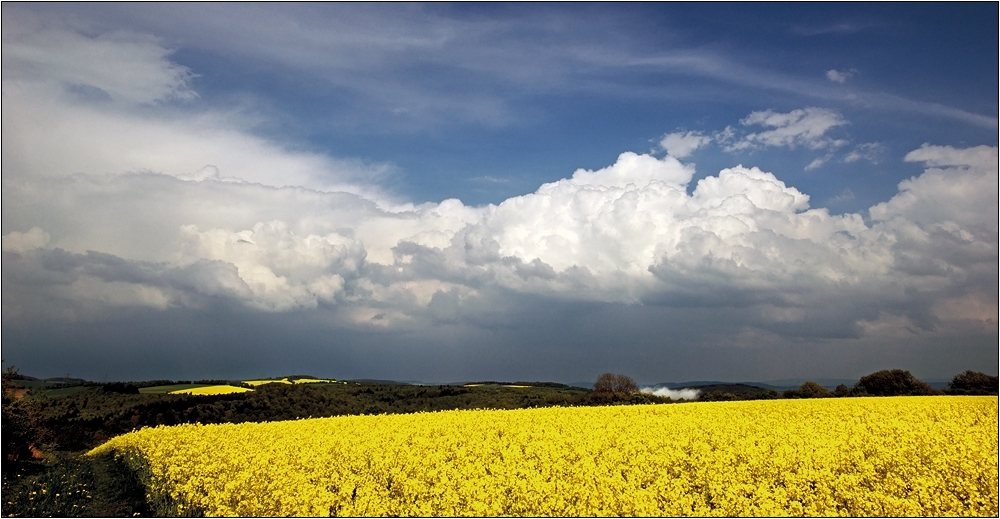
256	383
901	456
211	390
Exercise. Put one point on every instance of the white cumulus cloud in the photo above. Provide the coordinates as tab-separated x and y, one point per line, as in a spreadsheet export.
870	151
805	127
283	270
839	76
683	144
92	96
34	238
980	157
817	163
957	192
629	233
119	66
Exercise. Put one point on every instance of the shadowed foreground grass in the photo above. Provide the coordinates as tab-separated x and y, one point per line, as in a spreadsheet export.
71	485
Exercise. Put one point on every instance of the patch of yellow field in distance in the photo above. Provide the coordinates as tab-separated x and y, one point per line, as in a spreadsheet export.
256	383
211	390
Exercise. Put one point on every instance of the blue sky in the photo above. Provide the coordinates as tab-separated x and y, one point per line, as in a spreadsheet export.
557	103
460	191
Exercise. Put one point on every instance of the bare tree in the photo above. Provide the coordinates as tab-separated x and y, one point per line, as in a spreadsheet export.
614	383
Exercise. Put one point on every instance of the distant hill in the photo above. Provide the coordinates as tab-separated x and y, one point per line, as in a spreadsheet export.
783	384
48	383
67	380
777	385
698	384
18	376
831	383
377	381
689	384
724	391
791	383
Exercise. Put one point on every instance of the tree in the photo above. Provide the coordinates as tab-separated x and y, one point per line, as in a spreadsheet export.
614	383
841	390
18	434
120	387
973	383
718	396
892	382
808	390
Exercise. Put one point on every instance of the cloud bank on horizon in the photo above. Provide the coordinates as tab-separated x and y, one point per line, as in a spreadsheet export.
128	212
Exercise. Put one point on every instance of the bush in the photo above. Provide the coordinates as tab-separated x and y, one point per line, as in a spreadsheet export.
973	383
18	431
718	396
808	390
841	390
613	383
892	382
121	388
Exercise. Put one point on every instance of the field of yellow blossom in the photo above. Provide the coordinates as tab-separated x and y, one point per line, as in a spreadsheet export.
899	456
211	390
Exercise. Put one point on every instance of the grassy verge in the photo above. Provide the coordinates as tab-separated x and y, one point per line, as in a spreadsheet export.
72	485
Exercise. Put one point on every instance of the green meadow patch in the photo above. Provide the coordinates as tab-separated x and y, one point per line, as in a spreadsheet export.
63	391
170	388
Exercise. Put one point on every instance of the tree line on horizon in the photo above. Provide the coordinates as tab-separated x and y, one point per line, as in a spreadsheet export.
887	382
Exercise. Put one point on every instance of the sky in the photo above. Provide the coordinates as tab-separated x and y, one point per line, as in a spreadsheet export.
452	192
